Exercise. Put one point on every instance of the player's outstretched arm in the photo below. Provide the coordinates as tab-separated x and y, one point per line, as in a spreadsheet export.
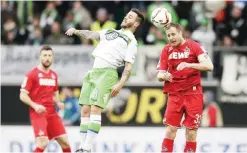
87	34
125	75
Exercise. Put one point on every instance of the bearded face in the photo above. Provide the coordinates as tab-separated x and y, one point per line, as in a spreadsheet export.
46	58
129	20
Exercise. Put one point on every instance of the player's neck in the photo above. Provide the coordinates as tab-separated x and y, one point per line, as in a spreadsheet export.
43	69
128	29
182	42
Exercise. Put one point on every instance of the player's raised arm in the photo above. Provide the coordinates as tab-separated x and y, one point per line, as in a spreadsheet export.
87	34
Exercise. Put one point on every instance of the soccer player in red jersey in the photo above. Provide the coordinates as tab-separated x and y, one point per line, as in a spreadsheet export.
39	90
180	64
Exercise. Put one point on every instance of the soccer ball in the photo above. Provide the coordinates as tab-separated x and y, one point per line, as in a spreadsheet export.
161	17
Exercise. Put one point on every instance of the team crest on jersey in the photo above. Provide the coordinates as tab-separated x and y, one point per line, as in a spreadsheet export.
111	35
53	76
170	48
40	75
187	49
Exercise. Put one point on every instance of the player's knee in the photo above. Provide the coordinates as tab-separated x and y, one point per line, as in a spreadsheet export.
171	132
85	111
191	135
96	110
42	142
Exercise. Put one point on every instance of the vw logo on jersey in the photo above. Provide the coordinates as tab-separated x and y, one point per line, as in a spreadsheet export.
112	35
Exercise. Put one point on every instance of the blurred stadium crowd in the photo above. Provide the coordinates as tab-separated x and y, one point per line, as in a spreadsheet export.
40	22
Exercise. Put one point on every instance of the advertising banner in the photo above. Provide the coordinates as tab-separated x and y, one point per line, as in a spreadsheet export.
134	106
70	62
130	139
233	85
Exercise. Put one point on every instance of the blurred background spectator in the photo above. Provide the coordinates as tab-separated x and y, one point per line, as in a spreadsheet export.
211	116
71	112
57	37
223	21
102	22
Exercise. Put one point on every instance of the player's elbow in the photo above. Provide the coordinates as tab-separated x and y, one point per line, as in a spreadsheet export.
22	96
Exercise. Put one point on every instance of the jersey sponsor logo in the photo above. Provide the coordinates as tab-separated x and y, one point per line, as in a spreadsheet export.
179	55
47	82
111	35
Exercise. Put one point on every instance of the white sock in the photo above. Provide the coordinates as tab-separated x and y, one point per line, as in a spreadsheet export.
83	129
93	130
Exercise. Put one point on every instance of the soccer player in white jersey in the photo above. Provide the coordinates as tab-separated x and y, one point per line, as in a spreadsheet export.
116	48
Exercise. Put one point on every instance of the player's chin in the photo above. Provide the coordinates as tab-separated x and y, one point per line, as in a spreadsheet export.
47	64
123	25
174	44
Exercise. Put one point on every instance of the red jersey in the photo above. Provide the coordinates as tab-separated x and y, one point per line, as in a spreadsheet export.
41	87
187	80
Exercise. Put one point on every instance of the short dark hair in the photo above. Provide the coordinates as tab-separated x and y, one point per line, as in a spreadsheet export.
45	48
175	25
140	16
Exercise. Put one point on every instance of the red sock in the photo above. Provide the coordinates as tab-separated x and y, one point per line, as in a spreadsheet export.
190	147
66	149
37	149
167	145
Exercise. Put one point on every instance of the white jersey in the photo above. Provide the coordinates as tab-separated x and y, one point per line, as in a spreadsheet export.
116	47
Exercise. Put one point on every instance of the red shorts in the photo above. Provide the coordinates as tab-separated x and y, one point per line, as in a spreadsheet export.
48	125
189	106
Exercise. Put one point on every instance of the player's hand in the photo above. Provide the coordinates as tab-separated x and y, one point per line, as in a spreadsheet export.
39	109
115	89
70	32
60	105
183	65
167	76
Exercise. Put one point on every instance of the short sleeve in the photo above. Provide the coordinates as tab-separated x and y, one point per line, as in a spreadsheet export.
131	52
163	61
199	49
102	34
27	83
